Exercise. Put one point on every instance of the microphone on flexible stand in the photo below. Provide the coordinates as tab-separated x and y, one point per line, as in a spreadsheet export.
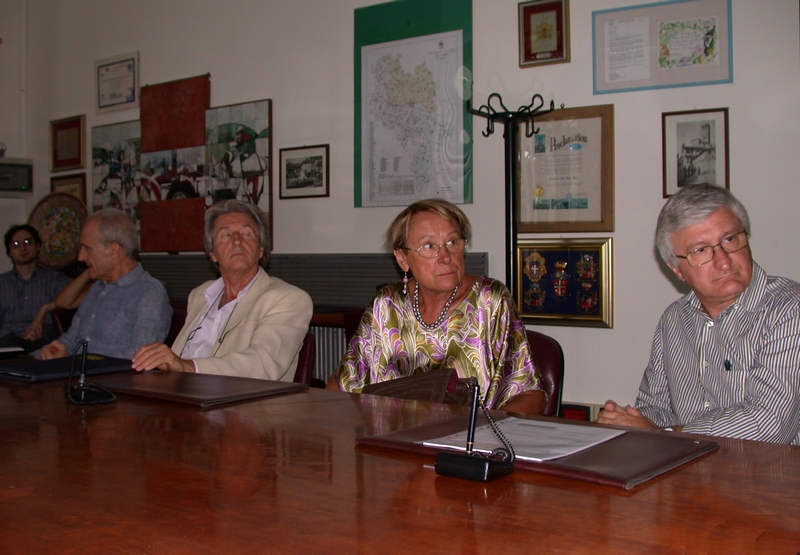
475	466
85	393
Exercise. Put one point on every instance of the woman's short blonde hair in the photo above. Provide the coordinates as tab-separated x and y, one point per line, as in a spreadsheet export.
397	234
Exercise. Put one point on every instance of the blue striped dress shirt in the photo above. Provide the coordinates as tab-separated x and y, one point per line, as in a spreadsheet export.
737	375
21	299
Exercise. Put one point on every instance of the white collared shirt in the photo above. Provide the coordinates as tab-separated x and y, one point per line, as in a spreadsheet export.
201	340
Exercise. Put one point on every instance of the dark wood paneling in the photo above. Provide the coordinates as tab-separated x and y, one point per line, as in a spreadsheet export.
331	279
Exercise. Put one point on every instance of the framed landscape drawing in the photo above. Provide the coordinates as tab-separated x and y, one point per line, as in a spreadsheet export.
74	184
305	172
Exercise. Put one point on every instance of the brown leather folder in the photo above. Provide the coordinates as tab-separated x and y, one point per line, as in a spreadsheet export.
203	390
624	462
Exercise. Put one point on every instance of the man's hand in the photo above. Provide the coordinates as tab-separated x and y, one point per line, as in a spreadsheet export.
158	355
34	331
56	349
613	413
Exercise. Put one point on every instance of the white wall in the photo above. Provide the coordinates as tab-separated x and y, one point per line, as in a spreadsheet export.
300	54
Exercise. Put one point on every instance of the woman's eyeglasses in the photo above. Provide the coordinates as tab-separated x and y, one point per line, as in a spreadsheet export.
431	250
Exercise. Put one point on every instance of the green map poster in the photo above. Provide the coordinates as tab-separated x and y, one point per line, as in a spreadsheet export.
413	76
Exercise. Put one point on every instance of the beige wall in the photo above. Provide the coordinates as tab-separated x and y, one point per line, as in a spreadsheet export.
300	54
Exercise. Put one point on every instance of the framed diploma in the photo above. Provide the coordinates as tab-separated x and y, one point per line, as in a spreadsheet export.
566	172
117	83
67	151
665	44
543	32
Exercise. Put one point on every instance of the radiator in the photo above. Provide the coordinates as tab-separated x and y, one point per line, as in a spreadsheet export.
330	350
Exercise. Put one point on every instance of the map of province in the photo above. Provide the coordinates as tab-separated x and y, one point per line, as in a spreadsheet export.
406	104
413	122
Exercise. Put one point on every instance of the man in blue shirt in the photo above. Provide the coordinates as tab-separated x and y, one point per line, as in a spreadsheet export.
27	292
126	307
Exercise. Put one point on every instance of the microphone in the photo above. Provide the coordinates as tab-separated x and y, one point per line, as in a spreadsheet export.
86	393
471	465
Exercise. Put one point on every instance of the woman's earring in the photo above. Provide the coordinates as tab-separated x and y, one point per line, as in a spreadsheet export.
405	283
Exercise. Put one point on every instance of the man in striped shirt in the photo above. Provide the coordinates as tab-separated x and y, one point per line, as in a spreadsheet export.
726	357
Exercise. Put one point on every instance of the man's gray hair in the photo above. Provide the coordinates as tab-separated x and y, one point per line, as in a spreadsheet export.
236	206
693	205
115	226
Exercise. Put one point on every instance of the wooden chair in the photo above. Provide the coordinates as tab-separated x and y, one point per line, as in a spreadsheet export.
305	360
549	359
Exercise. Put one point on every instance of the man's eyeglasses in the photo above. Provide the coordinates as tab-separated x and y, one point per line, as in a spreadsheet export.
431	250
704	255
18	244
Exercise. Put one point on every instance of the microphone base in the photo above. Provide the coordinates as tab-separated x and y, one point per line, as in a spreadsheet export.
469	467
89	394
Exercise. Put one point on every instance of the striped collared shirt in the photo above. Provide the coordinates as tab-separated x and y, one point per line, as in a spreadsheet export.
737	375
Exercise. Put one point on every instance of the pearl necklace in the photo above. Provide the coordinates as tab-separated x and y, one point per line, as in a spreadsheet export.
442	314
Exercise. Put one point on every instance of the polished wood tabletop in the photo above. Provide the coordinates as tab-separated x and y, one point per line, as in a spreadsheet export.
282	475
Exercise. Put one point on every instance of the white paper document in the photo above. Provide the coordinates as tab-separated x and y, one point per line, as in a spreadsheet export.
532	440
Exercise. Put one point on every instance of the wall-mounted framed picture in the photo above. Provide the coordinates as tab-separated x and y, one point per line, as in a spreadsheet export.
661	45
566	282
74	184
543	32
67	137
305	172
695	149
566	173
117	83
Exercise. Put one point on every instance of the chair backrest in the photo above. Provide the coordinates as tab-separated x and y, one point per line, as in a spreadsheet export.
176	324
352	317
305	360
549	359
62	319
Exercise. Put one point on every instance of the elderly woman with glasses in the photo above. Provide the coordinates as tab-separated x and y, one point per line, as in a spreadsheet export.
246	323
442	317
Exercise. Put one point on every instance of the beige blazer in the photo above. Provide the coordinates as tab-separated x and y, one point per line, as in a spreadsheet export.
263	335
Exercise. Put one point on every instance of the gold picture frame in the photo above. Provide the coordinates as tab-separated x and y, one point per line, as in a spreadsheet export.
566	282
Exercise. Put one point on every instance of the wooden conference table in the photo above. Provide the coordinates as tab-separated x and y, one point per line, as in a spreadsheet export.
282	475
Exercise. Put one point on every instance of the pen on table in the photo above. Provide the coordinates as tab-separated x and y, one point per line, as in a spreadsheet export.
727	365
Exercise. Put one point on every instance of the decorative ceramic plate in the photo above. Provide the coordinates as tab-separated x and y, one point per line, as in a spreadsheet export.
58	218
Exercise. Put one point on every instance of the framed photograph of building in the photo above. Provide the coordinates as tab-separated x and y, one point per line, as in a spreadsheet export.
305	172
566	282
543	32
695	149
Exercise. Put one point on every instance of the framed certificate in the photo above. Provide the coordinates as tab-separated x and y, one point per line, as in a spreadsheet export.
566	174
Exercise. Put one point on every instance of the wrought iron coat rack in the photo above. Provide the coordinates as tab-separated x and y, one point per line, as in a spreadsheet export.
511	121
